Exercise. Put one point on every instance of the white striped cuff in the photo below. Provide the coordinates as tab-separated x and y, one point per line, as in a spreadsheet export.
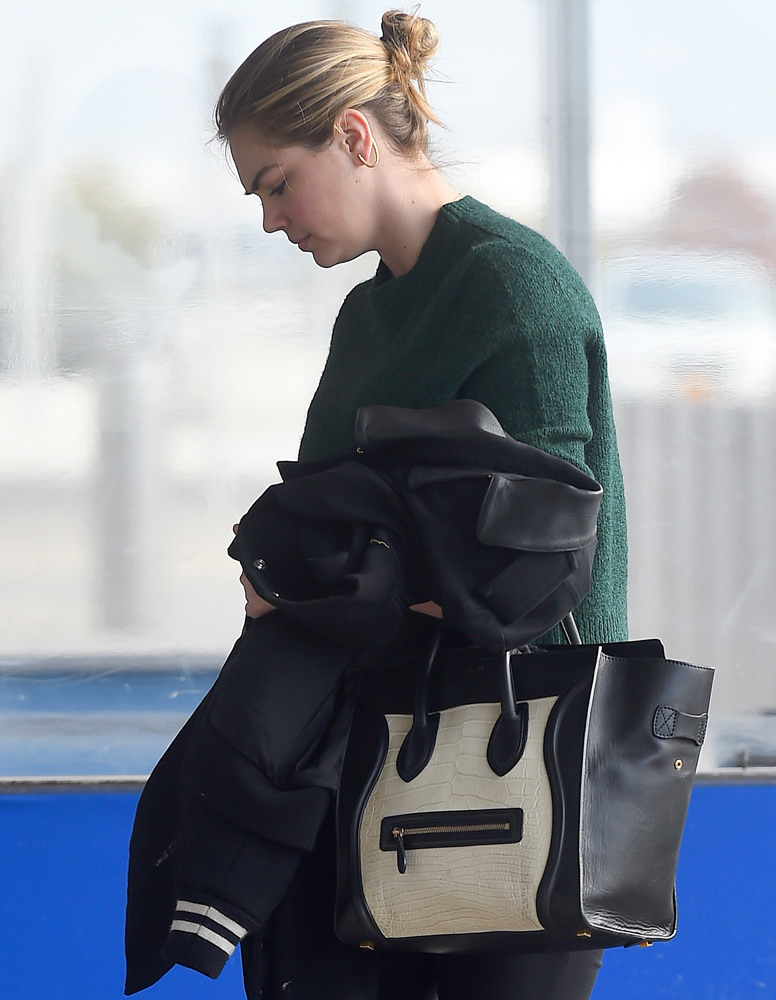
209	923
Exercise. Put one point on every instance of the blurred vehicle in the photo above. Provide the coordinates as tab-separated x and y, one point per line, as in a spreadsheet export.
747	740
692	325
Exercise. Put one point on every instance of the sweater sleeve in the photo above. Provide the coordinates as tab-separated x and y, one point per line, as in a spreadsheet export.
543	374
540	331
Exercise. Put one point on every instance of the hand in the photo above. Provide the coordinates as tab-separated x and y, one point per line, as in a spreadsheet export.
428	608
255	606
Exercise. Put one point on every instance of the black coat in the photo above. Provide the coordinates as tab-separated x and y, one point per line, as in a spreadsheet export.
436	505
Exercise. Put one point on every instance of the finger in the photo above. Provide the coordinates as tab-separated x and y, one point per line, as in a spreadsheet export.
428	608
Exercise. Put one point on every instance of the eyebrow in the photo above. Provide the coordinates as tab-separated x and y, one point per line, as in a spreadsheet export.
257	178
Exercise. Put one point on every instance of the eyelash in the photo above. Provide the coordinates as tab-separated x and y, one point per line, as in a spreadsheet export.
280	188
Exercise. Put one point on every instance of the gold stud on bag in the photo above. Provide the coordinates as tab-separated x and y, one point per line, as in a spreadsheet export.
491	801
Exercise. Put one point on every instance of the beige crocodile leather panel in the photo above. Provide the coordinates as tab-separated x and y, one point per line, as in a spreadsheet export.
456	890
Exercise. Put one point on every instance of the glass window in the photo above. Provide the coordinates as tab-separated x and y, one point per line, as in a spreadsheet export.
157	350
684	199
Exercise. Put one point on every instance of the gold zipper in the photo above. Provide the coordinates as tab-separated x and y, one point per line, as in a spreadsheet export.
400	832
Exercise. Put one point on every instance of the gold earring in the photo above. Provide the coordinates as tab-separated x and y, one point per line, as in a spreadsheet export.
377	157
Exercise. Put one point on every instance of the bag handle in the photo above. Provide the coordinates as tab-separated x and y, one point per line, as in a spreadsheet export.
508	737
509	734
570	630
418	745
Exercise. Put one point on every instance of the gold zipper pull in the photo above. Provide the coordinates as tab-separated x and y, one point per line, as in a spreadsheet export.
401	855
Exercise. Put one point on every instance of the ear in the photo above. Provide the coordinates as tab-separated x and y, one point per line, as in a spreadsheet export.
356	134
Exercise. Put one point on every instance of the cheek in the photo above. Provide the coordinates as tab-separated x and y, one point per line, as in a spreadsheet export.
310	208
333	206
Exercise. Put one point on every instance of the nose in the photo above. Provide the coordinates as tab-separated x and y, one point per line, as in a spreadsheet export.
274	219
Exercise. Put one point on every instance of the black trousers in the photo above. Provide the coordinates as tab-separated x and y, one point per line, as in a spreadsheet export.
300	958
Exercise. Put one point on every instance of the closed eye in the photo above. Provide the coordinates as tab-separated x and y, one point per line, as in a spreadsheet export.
280	188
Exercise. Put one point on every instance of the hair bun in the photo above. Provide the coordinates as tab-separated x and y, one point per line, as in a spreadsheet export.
412	42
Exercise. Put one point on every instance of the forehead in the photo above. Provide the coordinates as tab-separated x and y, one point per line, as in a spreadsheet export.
252	154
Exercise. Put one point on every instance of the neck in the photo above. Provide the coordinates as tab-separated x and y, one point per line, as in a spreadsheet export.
410	202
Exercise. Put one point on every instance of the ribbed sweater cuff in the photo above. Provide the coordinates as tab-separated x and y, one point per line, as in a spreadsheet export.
202	936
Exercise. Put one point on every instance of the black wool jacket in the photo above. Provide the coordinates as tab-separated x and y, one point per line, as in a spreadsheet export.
437	504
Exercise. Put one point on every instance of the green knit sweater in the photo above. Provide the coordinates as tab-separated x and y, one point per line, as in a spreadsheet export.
491	311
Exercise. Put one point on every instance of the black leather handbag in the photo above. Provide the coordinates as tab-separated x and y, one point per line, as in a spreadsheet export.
533	801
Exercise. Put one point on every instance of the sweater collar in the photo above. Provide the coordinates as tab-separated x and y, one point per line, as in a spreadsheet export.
387	292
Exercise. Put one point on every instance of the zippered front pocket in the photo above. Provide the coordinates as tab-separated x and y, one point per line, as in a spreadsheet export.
454	828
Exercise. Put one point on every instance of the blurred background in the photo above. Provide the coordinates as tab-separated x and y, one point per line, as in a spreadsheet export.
157	350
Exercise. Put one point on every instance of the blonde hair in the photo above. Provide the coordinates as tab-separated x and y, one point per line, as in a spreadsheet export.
297	83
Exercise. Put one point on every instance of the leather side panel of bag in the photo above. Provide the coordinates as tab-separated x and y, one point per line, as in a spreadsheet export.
558	900
460	889
364	758
635	793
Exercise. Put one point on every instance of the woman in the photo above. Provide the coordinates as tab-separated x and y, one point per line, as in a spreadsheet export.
328	126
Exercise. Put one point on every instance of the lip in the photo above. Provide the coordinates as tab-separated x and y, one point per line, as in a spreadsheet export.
304	243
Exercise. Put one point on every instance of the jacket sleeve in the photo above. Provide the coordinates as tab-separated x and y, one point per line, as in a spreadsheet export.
330	553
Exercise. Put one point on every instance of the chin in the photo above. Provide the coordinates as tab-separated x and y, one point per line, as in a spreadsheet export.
332	258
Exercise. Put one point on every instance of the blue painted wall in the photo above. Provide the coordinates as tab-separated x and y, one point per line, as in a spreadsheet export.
63	863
